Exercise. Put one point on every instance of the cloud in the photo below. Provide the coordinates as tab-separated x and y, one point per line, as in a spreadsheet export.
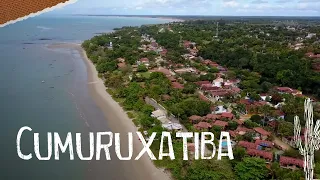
259	2
230	3
283	1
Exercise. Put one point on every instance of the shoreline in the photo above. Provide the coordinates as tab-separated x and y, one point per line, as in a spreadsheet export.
117	119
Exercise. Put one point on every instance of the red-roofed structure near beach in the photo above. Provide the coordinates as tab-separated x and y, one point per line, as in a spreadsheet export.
248	145
262	154
195	119
293	162
227	115
263	133
177	85
222	124
264	143
202	126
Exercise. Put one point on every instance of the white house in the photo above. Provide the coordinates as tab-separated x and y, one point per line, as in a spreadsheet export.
217	82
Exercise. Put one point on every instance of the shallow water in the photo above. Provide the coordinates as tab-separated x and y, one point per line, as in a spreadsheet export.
47	90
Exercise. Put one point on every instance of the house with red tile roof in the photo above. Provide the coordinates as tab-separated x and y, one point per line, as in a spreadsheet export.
291	163
263	143
203	98
177	85
227	115
202	126
199	83
262	133
247	145
221	124
212	117
262	154
242	130
165	71
232	134
195	119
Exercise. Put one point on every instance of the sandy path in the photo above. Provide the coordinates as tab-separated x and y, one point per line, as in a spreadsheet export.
118	121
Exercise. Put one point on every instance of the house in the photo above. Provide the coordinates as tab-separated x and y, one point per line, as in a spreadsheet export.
242	130
264	97
200	83
288	90
202	126
203	98
263	134
291	163
247	145
177	85
144	61
217	95
195	119
165	71
262	154
163	52
220	109
227	115
261	143
221	124
212	117
232	134
217	82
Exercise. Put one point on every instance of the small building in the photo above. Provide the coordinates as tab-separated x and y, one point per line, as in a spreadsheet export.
263	134
227	115
177	85
262	154
212	117
247	145
221	124
291	163
195	119
202	126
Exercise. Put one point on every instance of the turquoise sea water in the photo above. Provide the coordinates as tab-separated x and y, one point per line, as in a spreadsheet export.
61	104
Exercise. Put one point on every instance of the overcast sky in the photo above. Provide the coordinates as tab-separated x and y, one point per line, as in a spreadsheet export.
196	7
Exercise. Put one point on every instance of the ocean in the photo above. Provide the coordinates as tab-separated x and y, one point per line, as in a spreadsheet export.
47	90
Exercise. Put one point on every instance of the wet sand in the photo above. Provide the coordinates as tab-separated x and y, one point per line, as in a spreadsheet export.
118	121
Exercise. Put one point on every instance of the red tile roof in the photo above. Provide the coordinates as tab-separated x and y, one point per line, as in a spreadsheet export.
263	154
203	98
165	71
264	143
202	82
195	118
262	131
227	115
284	161
243	129
220	123
177	85
232	133
202	125
248	145
144	60
212	116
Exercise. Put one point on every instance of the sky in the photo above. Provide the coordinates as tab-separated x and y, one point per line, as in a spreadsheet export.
195	7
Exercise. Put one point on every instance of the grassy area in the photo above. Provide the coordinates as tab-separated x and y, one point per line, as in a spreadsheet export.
144	74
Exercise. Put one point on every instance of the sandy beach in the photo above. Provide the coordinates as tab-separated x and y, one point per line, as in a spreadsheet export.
118	121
